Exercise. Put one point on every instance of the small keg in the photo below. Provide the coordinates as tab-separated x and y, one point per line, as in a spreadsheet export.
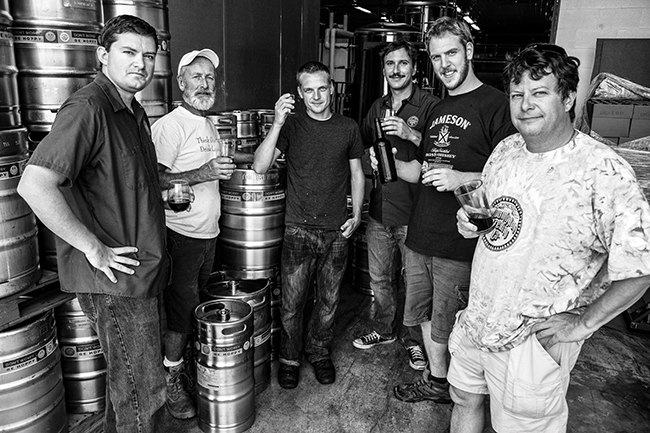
257	294
19	260
31	386
225	123
247	129
276	303
9	103
360	270
82	360
224	365
252	222
13	141
55	45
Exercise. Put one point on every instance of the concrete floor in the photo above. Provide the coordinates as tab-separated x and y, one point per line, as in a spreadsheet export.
609	392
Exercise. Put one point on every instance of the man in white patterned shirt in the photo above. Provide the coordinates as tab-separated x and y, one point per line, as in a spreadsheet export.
569	252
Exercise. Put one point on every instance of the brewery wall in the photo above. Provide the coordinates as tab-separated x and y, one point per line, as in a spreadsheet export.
261	44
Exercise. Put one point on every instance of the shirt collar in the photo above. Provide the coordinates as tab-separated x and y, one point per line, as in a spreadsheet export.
415	98
114	97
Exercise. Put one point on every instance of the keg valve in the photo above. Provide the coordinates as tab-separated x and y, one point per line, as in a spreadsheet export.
223	315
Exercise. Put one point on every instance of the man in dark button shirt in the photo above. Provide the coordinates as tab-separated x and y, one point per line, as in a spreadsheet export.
93	181
390	204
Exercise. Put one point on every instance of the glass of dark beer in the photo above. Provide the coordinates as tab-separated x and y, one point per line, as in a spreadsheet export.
179	195
471	196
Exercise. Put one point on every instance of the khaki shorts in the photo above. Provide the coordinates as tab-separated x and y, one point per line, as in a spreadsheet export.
527	385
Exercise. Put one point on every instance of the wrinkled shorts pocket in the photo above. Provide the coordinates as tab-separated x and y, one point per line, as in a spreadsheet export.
533	387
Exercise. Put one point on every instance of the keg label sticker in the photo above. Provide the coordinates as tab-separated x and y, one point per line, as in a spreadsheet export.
81	4
8	171
55	36
262	338
31	358
206	349
251	196
82	350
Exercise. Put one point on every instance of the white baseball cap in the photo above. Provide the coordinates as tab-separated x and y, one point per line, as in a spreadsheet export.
189	58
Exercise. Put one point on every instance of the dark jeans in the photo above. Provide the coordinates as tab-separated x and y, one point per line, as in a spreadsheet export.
192	261
384	243
305	252
129	333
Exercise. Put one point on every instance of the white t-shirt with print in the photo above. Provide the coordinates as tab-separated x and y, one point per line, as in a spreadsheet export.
568	221
185	141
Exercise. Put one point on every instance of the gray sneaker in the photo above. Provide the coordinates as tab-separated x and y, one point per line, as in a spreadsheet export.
178	400
417	360
371	340
423	390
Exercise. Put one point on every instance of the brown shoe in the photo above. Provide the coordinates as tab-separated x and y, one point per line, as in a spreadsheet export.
288	376
324	371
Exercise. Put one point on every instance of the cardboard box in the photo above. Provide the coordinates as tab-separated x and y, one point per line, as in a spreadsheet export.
611	126
616	111
639	128
641	112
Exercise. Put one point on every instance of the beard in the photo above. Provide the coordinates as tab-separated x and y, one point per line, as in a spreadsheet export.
200	101
462	75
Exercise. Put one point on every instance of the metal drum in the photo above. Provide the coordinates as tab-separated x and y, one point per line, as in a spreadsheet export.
156	97
83	363
360	270
19	261
13	141
31	386
9	105
247	129
252	222
265	121
224	364
257	294
225	123
55	44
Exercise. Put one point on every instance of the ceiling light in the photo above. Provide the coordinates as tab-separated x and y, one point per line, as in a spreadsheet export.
468	20
475	27
359	8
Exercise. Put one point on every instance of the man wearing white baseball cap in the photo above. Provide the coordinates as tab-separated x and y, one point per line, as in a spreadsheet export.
187	148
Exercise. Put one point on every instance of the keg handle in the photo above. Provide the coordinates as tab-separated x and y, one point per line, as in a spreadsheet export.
255	304
234	330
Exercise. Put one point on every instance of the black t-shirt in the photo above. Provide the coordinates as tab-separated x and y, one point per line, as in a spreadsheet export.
318	155
462	131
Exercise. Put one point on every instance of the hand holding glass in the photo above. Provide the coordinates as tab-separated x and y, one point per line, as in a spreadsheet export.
471	196
227	147
178	195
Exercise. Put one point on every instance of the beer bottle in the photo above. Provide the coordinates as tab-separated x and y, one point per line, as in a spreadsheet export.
384	154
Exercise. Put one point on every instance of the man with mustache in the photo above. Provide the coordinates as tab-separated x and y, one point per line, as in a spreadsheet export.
390	204
460	134
187	148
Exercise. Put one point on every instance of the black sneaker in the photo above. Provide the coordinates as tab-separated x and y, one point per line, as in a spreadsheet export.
423	390
178	401
371	340
417	360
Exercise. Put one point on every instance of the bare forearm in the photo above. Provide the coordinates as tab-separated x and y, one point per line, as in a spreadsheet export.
619	297
266	153
357	187
408	171
192	177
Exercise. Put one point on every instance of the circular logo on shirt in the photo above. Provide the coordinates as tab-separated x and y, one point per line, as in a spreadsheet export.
412	121
507	225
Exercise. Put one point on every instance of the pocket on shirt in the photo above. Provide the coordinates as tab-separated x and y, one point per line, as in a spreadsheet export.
131	169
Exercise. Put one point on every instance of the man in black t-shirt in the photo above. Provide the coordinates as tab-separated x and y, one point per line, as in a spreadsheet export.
459	136
323	152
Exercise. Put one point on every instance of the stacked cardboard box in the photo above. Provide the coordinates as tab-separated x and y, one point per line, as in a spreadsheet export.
621	123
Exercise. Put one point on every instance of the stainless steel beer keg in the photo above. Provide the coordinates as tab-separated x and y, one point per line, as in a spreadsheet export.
82	360
31	386
224	366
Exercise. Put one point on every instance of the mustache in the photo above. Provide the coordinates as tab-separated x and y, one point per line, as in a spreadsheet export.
397	75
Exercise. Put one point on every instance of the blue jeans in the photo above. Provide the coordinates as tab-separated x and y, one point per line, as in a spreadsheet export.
305	252
129	333
192	261
436	289
384	243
